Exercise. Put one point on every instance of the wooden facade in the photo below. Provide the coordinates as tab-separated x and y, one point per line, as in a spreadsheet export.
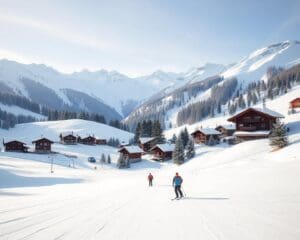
68	138
146	143
15	146
161	154
226	131
295	103
89	140
203	136
42	145
254	123
134	153
100	141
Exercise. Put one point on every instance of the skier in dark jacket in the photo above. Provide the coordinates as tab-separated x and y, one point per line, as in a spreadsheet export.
150	179
177	181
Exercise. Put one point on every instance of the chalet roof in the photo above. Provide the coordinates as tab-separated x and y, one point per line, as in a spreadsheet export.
254	133
144	140
265	111
207	131
227	126
166	147
88	137
64	134
132	149
295	99
4	143
46	139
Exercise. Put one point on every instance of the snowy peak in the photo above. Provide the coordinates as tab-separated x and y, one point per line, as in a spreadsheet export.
254	66
200	73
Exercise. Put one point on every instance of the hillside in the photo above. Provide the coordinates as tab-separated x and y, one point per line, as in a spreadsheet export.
251	69
243	191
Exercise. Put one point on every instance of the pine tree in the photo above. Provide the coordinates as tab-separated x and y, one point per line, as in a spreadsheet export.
178	154
157	132
190	149
121	163
138	131
102	160
278	137
173	139
108	159
211	141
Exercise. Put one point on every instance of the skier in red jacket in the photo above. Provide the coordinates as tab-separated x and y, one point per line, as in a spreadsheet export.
150	179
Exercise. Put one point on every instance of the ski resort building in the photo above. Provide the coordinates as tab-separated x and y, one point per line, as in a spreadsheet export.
162	152
146	143
226	130
15	146
134	153
295	103
254	123
203	135
42	145
68	138
89	140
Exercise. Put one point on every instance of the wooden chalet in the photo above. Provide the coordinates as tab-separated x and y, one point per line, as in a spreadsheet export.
68	138
254	123
42	145
295	103
15	146
203	135
134	153
146	143
100	141
226	130
89	140
162	152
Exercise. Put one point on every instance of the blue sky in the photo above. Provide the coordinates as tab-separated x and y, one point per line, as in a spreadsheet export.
141	36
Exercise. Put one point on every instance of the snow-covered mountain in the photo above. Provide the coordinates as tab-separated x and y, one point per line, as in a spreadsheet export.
198	83
106	92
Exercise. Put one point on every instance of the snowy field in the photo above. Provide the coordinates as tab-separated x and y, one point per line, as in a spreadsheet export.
246	191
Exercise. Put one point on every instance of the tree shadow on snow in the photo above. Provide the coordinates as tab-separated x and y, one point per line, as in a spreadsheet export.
11	180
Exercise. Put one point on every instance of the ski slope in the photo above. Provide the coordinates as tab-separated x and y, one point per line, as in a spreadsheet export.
246	191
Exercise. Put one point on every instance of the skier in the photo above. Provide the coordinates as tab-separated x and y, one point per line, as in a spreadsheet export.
177	181
150	179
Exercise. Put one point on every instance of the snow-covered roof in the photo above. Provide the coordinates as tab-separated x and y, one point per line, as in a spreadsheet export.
144	140
64	134
42	138
264	110
132	149
228	126
208	131
255	133
166	147
269	112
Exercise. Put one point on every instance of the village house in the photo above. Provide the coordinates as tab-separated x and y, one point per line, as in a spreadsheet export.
100	141
295	103
146	143
203	135
68	138
162	152
89	140
226	130
254	123
42	145
133	153
15	146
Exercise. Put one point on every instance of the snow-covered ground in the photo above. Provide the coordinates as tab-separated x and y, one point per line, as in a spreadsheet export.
246	191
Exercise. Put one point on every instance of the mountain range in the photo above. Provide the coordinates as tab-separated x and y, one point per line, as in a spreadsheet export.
117	96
